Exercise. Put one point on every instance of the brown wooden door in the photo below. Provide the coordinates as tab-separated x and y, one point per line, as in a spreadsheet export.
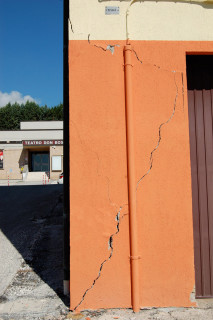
200	103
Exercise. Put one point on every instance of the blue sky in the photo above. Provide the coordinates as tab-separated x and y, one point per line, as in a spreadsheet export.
31	51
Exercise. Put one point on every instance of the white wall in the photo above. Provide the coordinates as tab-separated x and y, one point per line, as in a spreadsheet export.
31	135
148	20
41	125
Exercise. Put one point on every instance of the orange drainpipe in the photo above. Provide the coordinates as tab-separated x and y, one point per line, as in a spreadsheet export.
131	177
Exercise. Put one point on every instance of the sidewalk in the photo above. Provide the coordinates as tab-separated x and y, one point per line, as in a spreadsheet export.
50	309
25	183
31	245
152	314
43	310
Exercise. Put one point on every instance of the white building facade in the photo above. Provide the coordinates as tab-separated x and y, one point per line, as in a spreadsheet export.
33	152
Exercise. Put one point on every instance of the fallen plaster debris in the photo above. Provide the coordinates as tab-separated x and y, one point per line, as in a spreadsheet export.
112	47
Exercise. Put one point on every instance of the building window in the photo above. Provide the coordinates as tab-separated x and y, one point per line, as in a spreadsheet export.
1	159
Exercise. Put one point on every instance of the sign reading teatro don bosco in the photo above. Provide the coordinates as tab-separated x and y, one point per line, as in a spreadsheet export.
42	142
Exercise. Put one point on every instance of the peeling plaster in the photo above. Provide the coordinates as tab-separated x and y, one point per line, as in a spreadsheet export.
110	47
110	247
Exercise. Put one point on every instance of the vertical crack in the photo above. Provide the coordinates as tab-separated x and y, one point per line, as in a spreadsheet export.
71	27
159	136
118	218
110	246
182	89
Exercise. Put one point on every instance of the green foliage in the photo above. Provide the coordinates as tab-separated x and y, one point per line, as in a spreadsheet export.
12	114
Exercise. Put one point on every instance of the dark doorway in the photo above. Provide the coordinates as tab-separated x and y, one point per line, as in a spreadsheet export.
200	104
40	161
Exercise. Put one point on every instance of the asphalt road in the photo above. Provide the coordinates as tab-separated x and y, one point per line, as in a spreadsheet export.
20	207
31	224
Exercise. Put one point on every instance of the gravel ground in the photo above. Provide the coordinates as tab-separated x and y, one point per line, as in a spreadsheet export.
56	311
152	314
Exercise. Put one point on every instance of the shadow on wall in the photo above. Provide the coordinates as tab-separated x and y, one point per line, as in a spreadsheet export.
31	217
23	160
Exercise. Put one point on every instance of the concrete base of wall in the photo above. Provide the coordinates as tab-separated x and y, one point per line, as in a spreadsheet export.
201	303
36	176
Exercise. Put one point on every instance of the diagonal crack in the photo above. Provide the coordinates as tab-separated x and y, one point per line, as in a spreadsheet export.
157	66
71	27
110	243
110	47
159	136
137	56
118	219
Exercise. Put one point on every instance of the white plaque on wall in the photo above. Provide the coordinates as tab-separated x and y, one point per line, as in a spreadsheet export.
56	163
112	10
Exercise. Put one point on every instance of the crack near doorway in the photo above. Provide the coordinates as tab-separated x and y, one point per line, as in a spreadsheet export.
159	136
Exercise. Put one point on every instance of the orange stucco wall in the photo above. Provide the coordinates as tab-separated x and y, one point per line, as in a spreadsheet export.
98	174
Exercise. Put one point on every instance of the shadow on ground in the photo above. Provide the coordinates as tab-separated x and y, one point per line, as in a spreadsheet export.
31	217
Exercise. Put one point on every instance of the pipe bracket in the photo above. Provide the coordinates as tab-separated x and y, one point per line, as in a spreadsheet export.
128	64
135	257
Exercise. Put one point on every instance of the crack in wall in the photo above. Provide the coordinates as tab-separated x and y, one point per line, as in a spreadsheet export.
110	247
159	136
118	219
109	197
71	27
85	146
164	123
158	67
182	89
109	47
127	14
137	56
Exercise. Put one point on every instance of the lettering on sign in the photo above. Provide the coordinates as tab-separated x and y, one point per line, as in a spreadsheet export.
112	10
43	142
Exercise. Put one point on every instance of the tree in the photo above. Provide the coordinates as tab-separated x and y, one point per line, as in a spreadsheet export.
12	114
